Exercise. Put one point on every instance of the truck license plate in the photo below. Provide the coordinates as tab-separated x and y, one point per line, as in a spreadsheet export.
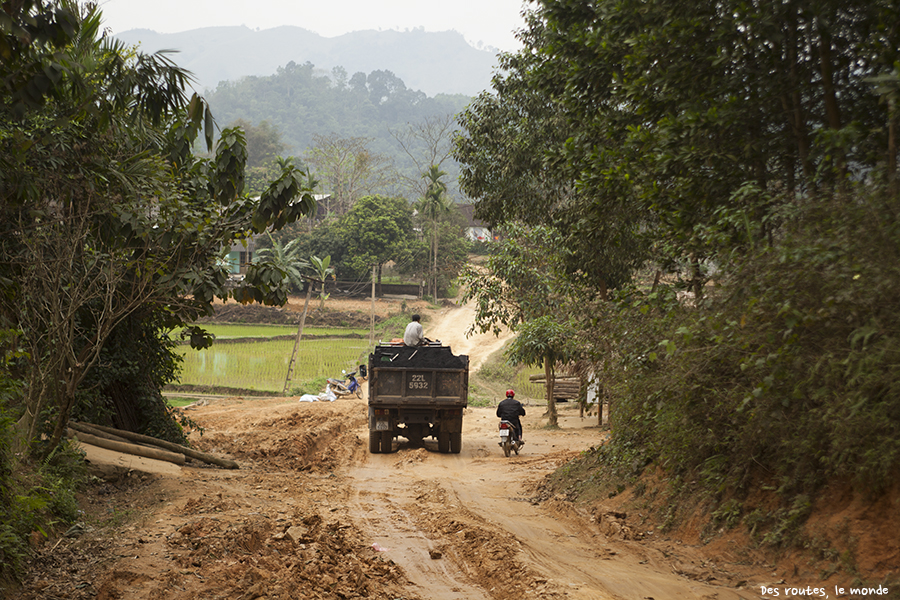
382	425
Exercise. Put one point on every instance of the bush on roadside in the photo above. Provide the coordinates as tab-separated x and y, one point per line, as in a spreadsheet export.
785	374
35	497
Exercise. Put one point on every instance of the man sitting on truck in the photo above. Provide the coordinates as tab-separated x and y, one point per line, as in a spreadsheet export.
510	410
414	334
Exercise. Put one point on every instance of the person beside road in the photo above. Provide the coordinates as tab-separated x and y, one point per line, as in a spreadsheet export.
510	410
414	334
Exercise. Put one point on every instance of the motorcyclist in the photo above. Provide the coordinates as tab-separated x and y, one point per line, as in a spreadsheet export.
510	410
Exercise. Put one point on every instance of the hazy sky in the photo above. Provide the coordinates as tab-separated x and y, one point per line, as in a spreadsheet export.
488	22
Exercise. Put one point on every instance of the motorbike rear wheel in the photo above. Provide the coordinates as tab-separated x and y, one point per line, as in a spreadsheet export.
507	446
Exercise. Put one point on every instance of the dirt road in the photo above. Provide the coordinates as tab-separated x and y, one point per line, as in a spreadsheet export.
451	325
310	514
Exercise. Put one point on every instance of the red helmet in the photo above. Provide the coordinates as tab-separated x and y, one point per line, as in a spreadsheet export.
510	394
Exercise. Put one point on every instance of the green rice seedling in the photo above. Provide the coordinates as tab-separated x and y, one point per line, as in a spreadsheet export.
263	365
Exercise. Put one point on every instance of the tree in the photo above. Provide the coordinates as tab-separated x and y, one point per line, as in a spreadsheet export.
524	287
545	341
426	143
286	258
264	143
512	149
105	211
697	110
376	230
433	204
323	270
348	170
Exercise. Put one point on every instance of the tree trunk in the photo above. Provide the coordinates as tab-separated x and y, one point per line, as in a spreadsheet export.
380	292
434	254
146	452
832	110
190	452
793	107
892	149
552	419
696	280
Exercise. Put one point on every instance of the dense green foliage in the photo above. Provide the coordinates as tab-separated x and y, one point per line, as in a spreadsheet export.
302	103
380	229
107	216
722	181
124	389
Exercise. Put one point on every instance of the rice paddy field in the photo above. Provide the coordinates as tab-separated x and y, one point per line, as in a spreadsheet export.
256	356
225	331
260	363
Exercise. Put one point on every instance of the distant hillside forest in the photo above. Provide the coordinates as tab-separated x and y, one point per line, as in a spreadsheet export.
300	102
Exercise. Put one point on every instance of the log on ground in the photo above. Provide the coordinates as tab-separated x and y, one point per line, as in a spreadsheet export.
190	452
125	448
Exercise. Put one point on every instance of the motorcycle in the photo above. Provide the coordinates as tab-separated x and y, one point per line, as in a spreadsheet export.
508	438
345	388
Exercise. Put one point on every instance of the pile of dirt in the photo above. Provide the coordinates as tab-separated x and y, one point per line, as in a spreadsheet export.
307	441
268	530
493	556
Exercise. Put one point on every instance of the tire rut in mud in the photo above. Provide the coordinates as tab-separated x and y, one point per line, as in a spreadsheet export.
489	555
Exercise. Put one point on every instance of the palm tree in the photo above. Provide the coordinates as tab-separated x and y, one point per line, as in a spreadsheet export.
432	205
286	258
323	270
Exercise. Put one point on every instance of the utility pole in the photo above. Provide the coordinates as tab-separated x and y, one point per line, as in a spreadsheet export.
372	319
290	370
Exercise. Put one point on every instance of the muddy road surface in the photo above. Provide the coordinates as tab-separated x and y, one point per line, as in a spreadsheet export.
311	514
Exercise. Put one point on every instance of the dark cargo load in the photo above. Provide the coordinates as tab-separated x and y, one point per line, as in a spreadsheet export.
417	392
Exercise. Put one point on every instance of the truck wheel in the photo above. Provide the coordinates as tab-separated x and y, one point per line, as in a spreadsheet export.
387	442
444	441
455	442
374	442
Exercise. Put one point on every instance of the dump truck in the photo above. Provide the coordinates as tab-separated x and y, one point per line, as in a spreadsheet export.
417	392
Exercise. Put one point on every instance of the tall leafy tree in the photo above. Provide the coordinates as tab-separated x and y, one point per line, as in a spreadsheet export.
524	287
433	205
512	151
709	98
376	230
106	213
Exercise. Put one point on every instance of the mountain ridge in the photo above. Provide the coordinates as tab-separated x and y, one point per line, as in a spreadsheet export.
431	62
